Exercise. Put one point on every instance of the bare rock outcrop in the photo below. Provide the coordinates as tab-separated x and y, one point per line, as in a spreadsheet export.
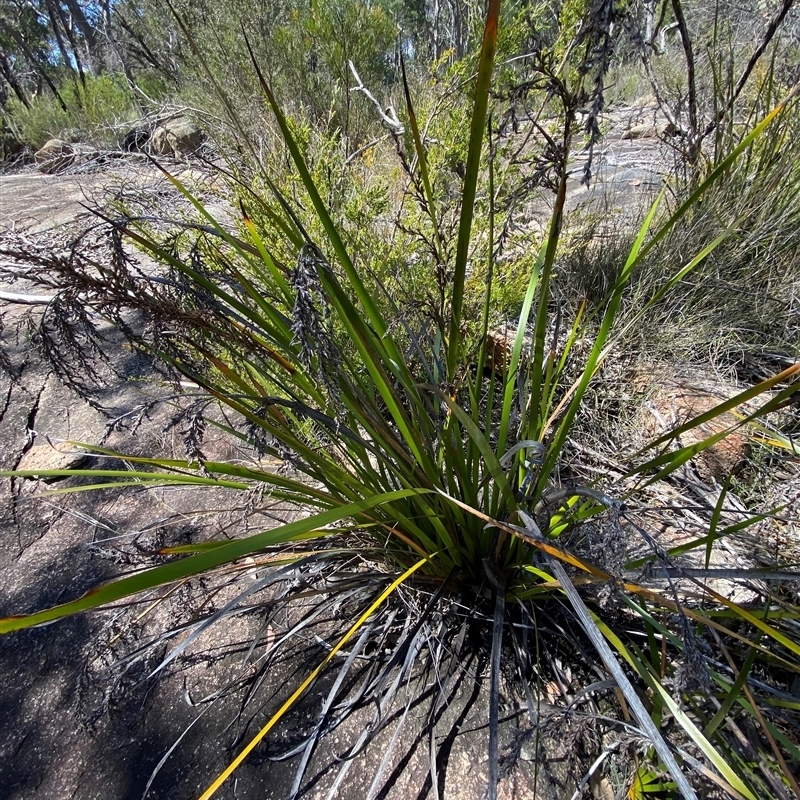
651	130
176	137
675	399
56	155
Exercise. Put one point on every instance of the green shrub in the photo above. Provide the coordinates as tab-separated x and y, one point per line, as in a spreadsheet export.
94	113
45	119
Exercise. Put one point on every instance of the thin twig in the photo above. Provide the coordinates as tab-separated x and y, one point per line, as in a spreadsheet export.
26	299
389	116
757	53
366	147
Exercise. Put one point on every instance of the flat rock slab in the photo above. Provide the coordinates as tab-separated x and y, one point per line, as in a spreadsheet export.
33	202
50	456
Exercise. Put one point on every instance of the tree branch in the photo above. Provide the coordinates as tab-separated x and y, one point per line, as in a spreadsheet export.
694	142
389	116
26	299
770	32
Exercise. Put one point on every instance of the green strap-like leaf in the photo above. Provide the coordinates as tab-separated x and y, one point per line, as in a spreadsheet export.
365	298
683	719
423	164
490	460
202	562
485	67
733	402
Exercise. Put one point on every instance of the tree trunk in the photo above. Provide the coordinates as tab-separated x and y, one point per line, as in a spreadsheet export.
11	79
55	25
458	28
67	26
693	133
86	29
437	48
23	46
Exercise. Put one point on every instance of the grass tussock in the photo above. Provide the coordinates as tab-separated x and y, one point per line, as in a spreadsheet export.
460	508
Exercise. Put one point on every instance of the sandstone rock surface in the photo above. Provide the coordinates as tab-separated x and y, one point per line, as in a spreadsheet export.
176	137
57	155
650	130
